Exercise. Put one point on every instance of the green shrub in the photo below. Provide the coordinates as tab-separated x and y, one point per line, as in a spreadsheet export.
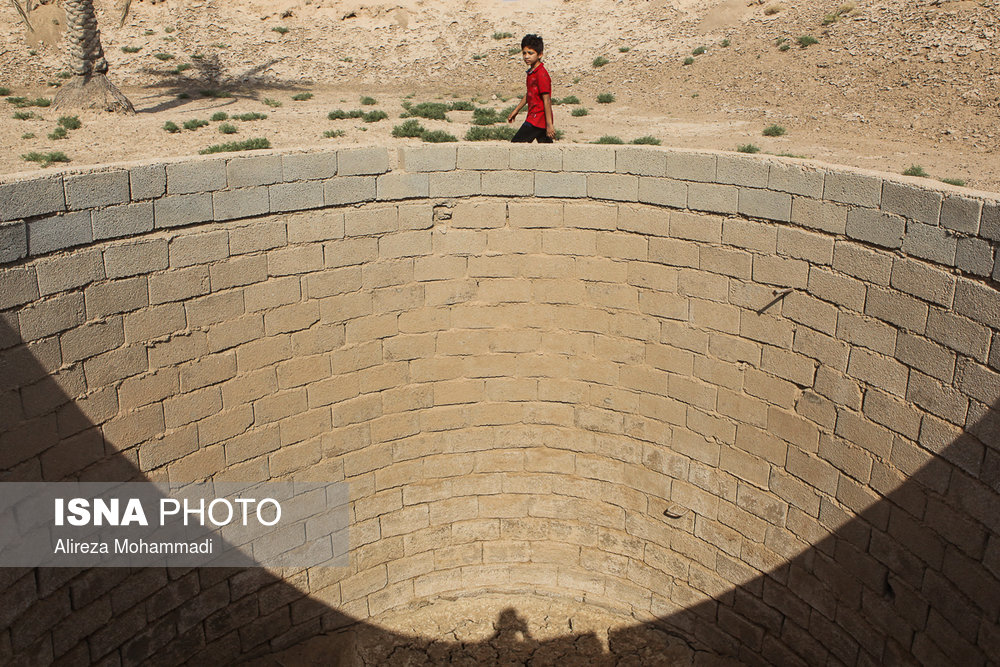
70	122
183	67
4	91
197	56
23	115
374	116
45	159
252	115
340	114
22	102
579	111
28	135
916	170
606	98
41	102
368	101
431	110
486	116
624	49
169	28
194	123
608	139
689	60
271	102
747	148
490	133
131	49
699	50
228	128
724	43
233	146
569	99
408	129
954	181
58	133
171	126
333	134
461	105
600	61
149	32
784	47
302	97
346	59
647	141
219	115
280	29
773	131
478	56
512	50
162	56
503	35
438	137
18	101
215	93
807	40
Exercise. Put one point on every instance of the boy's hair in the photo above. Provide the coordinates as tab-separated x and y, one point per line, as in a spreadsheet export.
533	42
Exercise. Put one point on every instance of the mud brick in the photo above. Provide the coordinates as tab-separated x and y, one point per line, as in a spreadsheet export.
483	157
68	271
25	199
975	256
978	302
147	181
455	184
687	166
560	185
923	281
876	227
242	203
911	202
932	243
45	318
713	197
852	188
896	308
401	186
508	183
765	204
117	296
821	215
348	190
296	196
663	191
362	161
56	232
122	261
868	265
196	176
307	166
620	187
961	214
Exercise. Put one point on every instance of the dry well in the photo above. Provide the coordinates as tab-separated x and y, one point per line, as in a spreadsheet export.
754	400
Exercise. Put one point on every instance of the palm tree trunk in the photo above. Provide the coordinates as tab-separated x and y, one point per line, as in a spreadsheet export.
89	88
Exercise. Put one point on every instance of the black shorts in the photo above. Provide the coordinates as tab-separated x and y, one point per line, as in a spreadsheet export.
529	133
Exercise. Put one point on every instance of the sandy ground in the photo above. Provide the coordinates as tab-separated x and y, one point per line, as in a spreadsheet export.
888	85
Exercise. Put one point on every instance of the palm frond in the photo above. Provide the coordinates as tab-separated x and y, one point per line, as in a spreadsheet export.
24	14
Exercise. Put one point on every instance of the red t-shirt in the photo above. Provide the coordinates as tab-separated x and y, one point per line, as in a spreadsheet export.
538	83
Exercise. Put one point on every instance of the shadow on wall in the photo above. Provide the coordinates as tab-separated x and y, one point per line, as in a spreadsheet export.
931	615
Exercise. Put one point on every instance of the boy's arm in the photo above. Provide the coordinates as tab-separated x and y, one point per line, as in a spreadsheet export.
520	105
550	128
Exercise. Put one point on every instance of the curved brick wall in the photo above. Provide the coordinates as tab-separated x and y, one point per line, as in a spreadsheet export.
752	399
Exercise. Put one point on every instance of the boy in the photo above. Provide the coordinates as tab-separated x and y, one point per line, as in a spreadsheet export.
538	125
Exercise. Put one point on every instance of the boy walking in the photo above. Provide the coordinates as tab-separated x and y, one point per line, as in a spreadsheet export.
538	97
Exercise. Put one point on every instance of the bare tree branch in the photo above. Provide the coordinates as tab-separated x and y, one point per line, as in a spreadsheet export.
128	5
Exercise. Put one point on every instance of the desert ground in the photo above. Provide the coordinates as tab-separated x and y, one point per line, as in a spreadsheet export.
887	85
